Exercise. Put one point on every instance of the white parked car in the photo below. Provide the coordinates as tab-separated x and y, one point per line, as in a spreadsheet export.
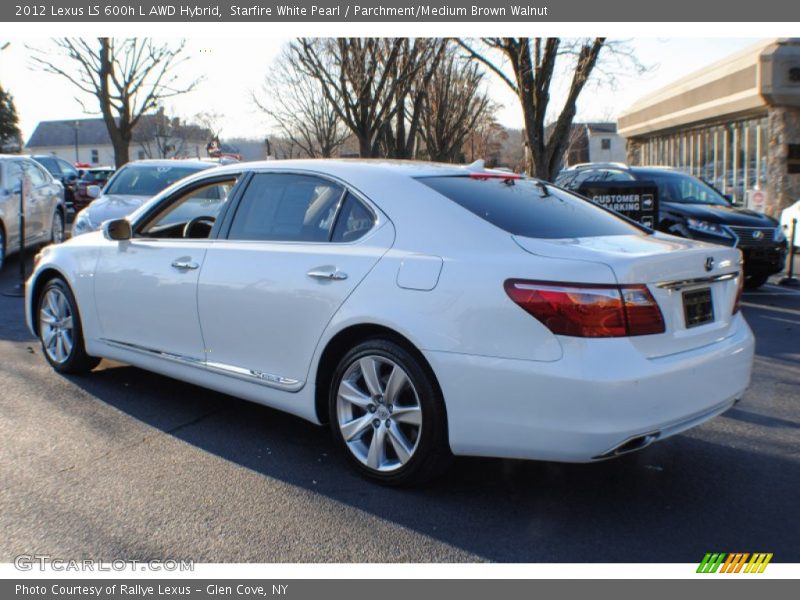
130	187
43	203
423	310
788	216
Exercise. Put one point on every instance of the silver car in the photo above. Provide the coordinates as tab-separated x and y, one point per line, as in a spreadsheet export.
44	204
130	187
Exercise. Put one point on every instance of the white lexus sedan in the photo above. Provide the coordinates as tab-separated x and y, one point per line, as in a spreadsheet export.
422	310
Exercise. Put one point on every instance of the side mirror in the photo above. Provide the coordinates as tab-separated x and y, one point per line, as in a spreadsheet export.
117	230
93	191
729	198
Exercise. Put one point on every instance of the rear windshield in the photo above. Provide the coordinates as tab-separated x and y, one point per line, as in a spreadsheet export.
521	207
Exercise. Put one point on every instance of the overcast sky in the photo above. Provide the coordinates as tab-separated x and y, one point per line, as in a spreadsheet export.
233	67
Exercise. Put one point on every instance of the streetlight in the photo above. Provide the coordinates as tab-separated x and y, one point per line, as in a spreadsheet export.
77	126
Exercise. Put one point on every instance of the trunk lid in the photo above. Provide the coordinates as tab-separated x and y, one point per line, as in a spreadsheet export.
671	267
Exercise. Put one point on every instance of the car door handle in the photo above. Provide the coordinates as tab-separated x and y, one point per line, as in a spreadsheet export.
327	273
184	264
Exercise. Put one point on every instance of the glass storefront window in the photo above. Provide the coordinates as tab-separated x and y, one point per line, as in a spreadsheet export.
732	157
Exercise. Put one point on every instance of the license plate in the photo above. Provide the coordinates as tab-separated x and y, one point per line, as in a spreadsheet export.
697	307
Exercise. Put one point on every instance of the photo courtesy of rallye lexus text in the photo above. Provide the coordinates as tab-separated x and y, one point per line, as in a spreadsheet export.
422	310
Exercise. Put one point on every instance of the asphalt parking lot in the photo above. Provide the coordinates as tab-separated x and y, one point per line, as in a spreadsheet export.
124	464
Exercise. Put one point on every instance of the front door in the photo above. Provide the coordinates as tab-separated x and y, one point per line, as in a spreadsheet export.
146	288
146	295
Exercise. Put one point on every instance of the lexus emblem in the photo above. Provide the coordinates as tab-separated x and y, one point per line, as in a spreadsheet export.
757	235
709	263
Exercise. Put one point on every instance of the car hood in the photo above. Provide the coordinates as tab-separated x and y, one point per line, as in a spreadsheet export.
725	215
113	207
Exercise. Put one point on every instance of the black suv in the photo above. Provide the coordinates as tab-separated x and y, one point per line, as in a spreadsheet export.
689	207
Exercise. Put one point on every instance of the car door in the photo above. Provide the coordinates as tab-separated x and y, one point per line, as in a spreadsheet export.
40	203
20	180
146	287
297	246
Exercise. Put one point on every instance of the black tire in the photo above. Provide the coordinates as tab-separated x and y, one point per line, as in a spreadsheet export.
752	282
431	455
76	361
58	227
2	246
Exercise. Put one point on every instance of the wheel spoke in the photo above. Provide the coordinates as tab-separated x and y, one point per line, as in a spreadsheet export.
51	303
353	429
48	337
411	415
348	392
400	443
377	448
397	381
66	342
46	317
59	349
369	369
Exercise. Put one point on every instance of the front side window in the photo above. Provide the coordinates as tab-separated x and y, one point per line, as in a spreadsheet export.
191	214
287	207
36	174
677	187
527	208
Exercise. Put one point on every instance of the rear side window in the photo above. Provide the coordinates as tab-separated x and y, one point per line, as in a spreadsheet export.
521	207
286	207
353	222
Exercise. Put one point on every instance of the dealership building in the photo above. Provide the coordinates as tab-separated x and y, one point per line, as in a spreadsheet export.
735	123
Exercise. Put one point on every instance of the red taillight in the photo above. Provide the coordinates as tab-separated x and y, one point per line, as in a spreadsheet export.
589	310
739	289
484	175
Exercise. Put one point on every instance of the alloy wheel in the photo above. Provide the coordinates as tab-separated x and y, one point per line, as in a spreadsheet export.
56	325
379	413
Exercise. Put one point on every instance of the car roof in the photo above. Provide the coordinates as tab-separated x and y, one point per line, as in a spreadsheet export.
656	170
169	162
344	166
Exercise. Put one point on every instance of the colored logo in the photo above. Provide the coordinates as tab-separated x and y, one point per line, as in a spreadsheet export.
736	562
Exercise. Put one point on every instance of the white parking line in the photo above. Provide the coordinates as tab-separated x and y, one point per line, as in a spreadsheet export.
772	308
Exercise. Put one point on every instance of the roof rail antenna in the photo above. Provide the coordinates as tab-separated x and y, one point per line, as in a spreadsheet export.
542	186
477	166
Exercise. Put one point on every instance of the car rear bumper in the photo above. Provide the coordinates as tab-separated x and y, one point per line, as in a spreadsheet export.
601	399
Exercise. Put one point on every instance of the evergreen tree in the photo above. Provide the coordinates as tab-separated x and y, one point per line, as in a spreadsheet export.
10	134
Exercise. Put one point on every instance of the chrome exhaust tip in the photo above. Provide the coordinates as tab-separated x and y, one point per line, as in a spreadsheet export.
630	445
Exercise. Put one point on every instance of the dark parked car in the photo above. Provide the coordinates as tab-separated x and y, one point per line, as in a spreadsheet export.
62	171
688	207
91	176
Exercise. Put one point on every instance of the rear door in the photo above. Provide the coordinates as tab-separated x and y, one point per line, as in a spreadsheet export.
297	246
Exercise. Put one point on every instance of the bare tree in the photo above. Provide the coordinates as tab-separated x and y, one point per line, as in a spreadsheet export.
486	140
417	64
211	121
367	82
533	64
296	103
128	77
454	104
